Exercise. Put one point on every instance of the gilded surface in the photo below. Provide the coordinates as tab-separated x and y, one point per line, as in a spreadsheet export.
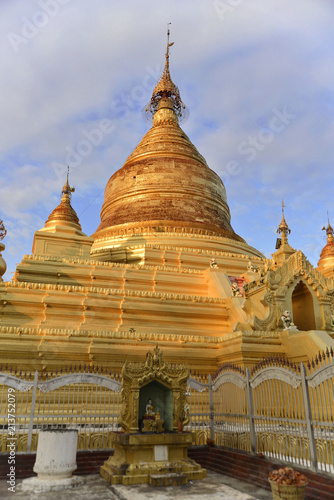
144	275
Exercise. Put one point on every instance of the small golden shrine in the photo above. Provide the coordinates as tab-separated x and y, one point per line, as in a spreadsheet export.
151	389
152	447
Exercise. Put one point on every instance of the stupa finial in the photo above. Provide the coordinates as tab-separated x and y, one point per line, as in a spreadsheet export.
67	189
167	49
283	227
167	90
284	250
329	230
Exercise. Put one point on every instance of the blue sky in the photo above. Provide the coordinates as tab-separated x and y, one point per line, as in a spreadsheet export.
256	76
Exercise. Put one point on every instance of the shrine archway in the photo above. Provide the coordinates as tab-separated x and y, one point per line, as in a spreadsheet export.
162	400
303	308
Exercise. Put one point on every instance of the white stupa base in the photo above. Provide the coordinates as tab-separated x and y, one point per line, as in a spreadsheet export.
35	484
55	461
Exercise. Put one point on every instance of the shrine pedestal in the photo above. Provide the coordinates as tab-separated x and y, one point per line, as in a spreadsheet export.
141	458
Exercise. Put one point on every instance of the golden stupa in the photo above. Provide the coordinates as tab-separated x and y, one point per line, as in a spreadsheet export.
164	193
164	266
326	261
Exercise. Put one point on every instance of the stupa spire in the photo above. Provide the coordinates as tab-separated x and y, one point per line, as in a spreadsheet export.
167	49
283	228
284	250
166	89
329	230
67	189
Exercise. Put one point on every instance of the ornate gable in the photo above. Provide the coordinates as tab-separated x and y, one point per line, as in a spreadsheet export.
273	293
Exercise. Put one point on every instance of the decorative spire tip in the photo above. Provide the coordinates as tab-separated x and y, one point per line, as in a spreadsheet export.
329	230
168	45
283	207
166	90
67	189
283	226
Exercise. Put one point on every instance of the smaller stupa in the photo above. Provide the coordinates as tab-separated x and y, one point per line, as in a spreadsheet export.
326	261
62	234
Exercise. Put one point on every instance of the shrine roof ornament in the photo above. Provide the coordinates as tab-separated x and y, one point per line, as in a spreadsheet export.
166	88
329	230
284	250
283	227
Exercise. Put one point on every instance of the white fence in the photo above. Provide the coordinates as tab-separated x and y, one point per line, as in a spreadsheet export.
283	410
89	402
280	409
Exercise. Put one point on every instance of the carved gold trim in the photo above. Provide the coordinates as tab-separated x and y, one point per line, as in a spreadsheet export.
149	337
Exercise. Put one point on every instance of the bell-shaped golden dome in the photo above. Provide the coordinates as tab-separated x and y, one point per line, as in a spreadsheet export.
326	261
166	182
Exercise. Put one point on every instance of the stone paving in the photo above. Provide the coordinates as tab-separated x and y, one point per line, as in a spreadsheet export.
214	487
